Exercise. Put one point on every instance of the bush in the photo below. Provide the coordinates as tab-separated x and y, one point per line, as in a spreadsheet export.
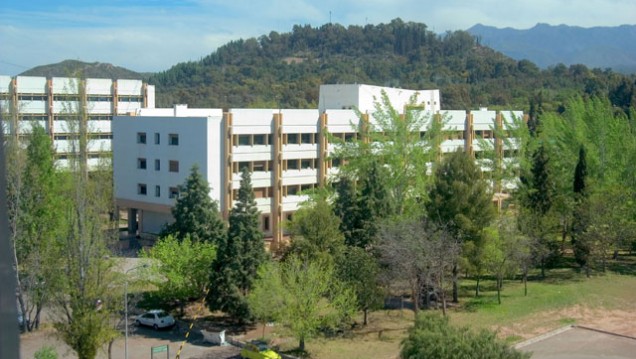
46	353
433	337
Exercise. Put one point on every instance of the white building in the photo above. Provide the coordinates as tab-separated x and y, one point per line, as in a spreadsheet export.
364	97
285	150
58	103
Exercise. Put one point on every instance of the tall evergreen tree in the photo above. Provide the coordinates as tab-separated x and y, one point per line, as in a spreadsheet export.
240	255
195	213
460	201
580	245
536	199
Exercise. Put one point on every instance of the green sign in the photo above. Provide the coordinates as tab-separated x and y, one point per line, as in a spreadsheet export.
159	349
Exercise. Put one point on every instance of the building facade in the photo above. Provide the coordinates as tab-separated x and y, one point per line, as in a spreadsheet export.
62	105
286	151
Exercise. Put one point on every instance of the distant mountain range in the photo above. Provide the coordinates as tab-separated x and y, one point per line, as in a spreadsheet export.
546	45
71	68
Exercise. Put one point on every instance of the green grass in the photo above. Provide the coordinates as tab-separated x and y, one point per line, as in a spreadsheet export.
551	303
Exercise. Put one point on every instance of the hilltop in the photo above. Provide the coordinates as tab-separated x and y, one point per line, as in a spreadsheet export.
286	69
68	68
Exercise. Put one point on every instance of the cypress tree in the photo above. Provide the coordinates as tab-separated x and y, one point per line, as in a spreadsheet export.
580	246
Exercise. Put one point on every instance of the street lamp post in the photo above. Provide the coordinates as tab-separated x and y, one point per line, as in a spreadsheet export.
126	307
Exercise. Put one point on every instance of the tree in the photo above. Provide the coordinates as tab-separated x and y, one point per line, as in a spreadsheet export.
580	216
433	337
36	202
536	196
359	270
179	269
460	201
195	213
420	253
315	232
82	323
241	253
403	145
311	297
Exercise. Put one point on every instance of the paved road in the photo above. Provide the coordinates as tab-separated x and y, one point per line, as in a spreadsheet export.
140	342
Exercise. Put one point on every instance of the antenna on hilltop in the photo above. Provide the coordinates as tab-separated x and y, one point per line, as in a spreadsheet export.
329	17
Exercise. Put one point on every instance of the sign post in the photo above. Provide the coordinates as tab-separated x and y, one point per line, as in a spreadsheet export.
160	349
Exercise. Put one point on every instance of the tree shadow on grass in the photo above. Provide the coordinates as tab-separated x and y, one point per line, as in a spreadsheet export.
623	264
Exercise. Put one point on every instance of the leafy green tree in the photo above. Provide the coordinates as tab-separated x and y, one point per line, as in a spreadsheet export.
315	232
461	201
195	213
402	145
359	270
179	268
433	337
311	297
241	253
36	201
80	321
264	306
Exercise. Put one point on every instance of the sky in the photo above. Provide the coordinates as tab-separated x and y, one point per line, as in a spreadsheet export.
153	35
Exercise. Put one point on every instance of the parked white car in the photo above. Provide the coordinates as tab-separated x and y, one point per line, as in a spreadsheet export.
156	319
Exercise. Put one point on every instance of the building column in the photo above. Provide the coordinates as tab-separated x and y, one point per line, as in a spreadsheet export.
228	144
277	182
499	150
469	135
323	146
49	108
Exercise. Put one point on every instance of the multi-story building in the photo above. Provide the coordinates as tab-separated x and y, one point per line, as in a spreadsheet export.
59	104
286	150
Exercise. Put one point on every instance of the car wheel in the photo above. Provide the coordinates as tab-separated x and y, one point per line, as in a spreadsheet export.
138	323
155	327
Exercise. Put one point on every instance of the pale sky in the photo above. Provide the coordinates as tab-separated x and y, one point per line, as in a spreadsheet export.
153	35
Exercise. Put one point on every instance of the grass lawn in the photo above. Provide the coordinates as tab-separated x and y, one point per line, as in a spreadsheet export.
563	297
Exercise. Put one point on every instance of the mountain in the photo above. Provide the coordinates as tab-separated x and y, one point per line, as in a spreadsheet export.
546	45
285	70
73	68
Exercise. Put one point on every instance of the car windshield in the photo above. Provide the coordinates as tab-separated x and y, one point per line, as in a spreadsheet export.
162	315
261	346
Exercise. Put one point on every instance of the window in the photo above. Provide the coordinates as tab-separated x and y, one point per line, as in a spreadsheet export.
173	192
244	140
292	190
292	138
259	139
141	137
157	138
157	165
292	164
157	191
306	187
141	189
173	139
173	166
307	163
259	166
349	137
266	223
141	163
307	138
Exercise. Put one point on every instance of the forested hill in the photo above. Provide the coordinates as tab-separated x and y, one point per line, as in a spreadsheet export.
286	69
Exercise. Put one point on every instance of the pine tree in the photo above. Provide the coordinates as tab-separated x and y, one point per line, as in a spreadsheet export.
195	213
240	255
